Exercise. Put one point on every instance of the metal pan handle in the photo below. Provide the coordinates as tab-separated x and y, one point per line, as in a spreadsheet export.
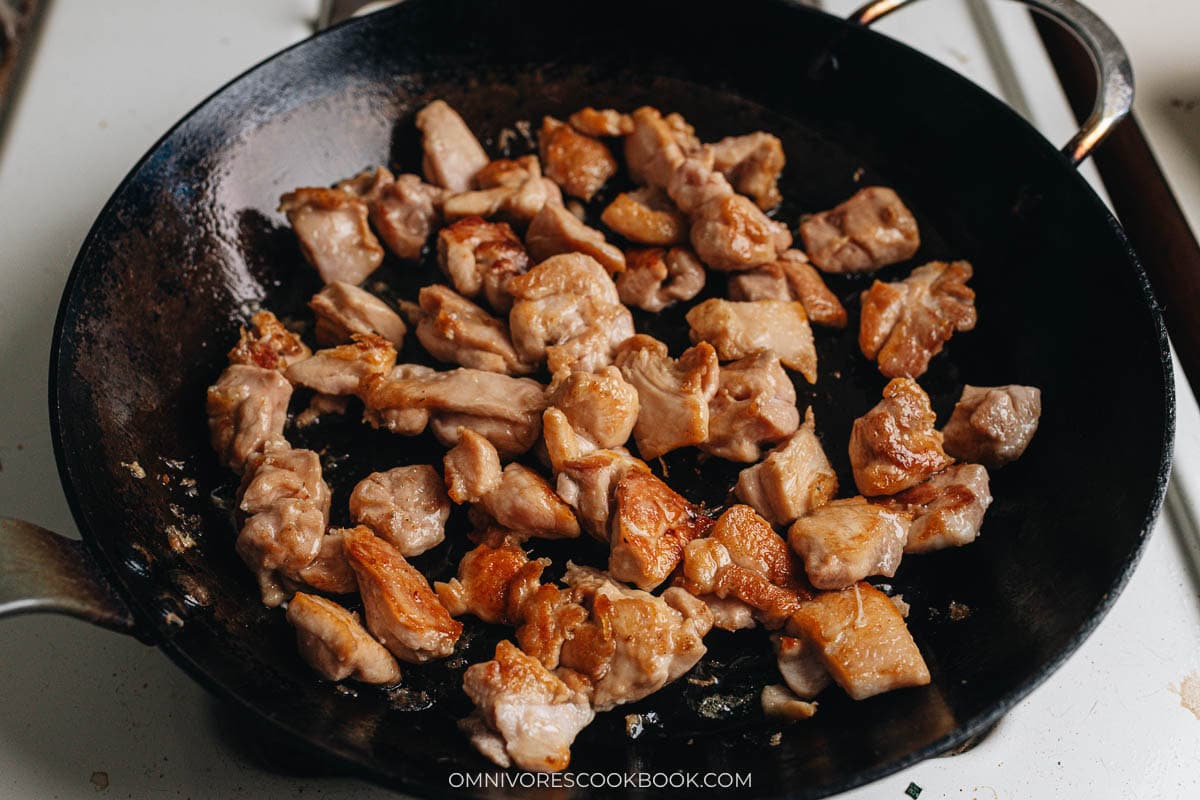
1114	74
42	571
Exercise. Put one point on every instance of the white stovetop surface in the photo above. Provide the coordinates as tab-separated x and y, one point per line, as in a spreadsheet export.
110	77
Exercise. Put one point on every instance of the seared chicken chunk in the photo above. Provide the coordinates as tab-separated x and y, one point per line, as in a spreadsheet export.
600	406
791	278
454	329
512	190
755	404
329	572
779	701
646	216
404	209
601	122
343	310
578	163
870	230
588	483
556	230
333	232
402	611
268	344
993	425
400	419
752	163
406	506
737	330
347	368
673	395
649	527
863	641
800	666
479	257
793	480
845	541
652	151
656	278
946	510
493	583
246	407
471	468
894	446
905	324
452	153
335	644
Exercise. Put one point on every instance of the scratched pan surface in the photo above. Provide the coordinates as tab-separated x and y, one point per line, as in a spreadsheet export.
190	244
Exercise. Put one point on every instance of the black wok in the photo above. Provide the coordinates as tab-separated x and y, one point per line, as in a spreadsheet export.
190	243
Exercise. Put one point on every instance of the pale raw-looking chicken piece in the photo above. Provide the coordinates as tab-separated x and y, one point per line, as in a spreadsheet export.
905	324
793	480
791	278
646	216
780	702
452	328
333	232
844	541
601	122
512	190
402	611
479	257
602	406
656	278
752	163
737	330
471	468
755	405
493	583
652	150
403	209
673	395
588	481
452	153
267	344
946	510
406	506
343	310
579	164
895	446
800	665
870	230
993	425
650	526
246	407
863	641
555	230
347	368
333	642
524	714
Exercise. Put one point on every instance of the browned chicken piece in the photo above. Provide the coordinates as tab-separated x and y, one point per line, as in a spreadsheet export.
652	151
894	446
755	405
791	278
649	527
793	480
737	330
946	510
905	324
471	468
646	216
556	230
601	122
587	483
800	666
452	153
524	714
399	419
779	702
493	583
347	368
329	572
844	541
343	310
284	502
595	347
752	163
333	642
673	395
870	230
401	609
862	640
512	190
561	442
452	328
405	213
479	257
600	406
548	618
579	164
333	232
993	425
268	344
246	407
656	278
406	506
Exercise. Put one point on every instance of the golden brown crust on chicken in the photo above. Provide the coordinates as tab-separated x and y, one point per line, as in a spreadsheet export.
649	528
752	163
494	580
870	230
895	446
333	643
346	369
555	231
268	344
646	216
946	510
602	406
579	164
601	122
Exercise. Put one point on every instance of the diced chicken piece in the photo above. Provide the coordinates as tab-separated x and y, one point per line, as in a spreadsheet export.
333	643
510	190
595	347
600	406
548	618
652	151
793	480
905	324
601	122
588	483
863	641
993	425
752	163
525	715
479	257
779	702
246	407
343	310
333	232
800	665
768	282
894	446
845	541
755	405
405	213
510	438
401	609
729	613
673	395
870	230
493	583
329	572
454	329
649	528
406	506
472	468
946	510
791	278
268	344
368	184
400	419
556	230
656	278
646	216
562	443
737	330
345	369
452	153
578	163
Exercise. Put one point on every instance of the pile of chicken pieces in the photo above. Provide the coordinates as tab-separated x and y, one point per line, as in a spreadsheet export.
532	289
